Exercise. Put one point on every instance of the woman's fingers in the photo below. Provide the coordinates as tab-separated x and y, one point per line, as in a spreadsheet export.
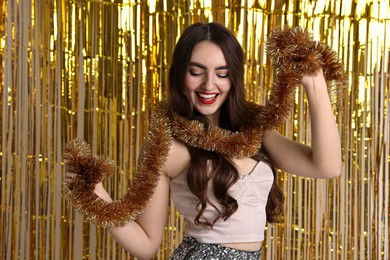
70	176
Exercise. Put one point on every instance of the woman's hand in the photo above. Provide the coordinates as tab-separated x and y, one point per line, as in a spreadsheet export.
69	176
310	81
99	188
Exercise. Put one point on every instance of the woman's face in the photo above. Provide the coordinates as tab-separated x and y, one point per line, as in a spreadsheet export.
207	81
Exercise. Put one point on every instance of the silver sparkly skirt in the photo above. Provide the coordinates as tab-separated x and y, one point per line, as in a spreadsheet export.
189	248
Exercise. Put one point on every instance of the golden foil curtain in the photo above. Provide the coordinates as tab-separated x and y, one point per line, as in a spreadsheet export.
94	70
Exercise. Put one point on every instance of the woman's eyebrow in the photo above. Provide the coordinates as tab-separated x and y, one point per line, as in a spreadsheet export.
199	65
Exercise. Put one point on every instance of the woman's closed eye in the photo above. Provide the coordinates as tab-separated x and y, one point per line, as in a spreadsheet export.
223	74
196	72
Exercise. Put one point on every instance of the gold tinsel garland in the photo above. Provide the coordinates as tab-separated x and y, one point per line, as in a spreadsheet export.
293	54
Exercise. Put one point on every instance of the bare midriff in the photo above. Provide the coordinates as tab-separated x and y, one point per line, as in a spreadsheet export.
255	246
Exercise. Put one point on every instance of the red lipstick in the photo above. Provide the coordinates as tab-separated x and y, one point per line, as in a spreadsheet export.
206	98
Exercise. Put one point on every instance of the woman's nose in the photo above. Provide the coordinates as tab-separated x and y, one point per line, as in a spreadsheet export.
208	82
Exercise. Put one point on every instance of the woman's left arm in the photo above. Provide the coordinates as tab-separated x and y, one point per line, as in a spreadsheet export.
322	159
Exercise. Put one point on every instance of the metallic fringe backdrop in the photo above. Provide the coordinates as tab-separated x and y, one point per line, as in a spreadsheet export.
95	69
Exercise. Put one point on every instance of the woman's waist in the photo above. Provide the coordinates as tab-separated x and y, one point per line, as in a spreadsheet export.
248	246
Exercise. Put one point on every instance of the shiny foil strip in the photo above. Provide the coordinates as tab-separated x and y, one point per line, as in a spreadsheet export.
95	70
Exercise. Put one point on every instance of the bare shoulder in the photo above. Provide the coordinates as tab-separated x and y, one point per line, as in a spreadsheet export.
178	159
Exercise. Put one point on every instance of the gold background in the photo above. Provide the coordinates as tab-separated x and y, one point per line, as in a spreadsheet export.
94	70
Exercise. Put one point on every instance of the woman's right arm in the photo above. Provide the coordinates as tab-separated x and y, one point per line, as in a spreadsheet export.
142	237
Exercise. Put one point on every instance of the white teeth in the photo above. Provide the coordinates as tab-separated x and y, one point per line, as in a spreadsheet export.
207	96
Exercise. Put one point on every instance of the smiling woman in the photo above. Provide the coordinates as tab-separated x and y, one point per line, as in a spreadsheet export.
95	70
207	82
222	177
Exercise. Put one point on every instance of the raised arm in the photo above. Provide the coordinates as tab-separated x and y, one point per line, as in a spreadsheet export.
322	159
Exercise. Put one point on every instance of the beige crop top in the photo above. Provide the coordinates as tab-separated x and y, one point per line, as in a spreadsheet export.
245	225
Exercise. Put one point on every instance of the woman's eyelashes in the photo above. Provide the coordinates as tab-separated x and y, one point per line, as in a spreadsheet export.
223	75
196	73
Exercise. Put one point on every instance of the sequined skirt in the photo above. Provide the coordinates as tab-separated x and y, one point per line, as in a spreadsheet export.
192	249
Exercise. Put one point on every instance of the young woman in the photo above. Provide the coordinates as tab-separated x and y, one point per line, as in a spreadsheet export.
221	175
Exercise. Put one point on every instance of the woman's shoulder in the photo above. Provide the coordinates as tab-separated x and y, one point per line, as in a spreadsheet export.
178	159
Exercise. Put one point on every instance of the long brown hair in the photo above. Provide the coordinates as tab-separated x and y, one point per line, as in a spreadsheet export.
234	113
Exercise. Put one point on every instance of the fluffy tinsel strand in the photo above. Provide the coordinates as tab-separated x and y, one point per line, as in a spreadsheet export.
293	53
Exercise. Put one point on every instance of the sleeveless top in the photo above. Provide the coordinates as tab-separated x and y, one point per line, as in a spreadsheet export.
246	225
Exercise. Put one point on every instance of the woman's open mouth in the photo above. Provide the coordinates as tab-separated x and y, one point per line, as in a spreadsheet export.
207	98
